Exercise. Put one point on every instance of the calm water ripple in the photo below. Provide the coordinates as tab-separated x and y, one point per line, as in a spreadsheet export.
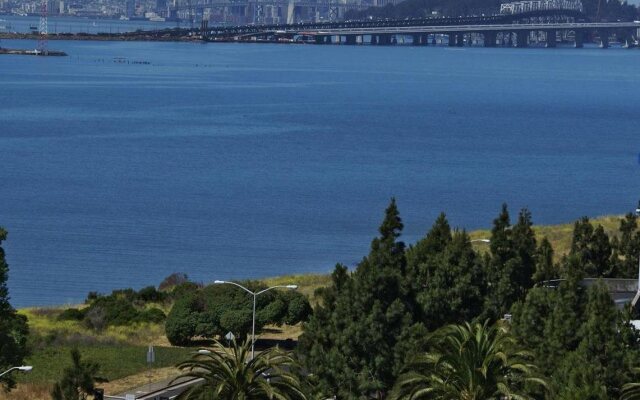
233	161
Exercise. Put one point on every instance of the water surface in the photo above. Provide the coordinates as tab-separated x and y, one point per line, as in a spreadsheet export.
230	161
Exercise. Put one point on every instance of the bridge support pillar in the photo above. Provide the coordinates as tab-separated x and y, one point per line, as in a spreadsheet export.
319	39
579	39
351	39
508	39
424	40
489	39
452	39
416	40
433	40
550	38
374	39
384	39
522	38
460	39
604	38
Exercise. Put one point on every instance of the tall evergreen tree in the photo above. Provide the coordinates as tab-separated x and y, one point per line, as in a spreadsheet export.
601	344
453	291
359	332
593	249
525	246
545	267
529	318
13	327
562	328
629	246
512	263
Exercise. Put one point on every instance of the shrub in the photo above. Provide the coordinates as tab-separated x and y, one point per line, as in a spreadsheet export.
184	289
117	311
71	314
91	297
95	318
237	321
299	309
273	313
173	280
151	315
150	294
180	325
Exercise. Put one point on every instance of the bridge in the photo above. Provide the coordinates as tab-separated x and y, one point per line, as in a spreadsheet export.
489	35
289	11
519	24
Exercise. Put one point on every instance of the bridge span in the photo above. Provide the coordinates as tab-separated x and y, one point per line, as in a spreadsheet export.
518	35
486	34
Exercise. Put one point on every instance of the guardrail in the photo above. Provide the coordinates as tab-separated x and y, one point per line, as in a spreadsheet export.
164	393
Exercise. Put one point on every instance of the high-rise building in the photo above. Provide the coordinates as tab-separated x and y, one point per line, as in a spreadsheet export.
131	8
161	7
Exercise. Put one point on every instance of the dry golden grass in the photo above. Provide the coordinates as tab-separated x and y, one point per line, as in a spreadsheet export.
559	235
139	380
28	391
284	332
307	283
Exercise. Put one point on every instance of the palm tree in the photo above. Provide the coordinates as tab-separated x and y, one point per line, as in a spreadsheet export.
631	391
468	362
231	374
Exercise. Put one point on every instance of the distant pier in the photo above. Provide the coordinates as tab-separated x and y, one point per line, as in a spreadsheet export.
21	52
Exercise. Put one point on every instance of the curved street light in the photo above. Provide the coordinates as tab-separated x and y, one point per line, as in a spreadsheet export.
255	294
25	368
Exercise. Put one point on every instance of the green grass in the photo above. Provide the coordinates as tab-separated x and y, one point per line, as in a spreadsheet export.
115	361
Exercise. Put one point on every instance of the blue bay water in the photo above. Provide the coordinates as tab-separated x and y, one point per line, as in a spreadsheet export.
230	161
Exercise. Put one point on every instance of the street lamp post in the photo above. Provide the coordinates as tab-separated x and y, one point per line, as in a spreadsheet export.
25	368
255	295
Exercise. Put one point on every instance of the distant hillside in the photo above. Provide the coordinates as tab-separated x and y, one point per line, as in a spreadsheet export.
610	10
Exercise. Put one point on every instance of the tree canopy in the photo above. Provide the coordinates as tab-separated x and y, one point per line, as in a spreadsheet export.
13	327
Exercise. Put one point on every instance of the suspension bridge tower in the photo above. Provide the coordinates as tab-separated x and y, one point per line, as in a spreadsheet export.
43	28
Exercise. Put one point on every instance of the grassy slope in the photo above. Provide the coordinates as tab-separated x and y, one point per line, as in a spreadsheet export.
559	235
116	361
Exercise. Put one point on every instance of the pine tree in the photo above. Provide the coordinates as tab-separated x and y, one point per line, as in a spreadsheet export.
601	344
530	317
545	267
78	380
512	263
562	328
352	341
525	246
593	249
453	291
13	327
629	246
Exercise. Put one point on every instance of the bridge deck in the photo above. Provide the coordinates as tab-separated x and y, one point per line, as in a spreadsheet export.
470	28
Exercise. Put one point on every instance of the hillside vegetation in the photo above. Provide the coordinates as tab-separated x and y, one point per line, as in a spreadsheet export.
120	345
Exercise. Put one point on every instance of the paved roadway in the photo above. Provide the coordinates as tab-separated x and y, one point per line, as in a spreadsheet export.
156	390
